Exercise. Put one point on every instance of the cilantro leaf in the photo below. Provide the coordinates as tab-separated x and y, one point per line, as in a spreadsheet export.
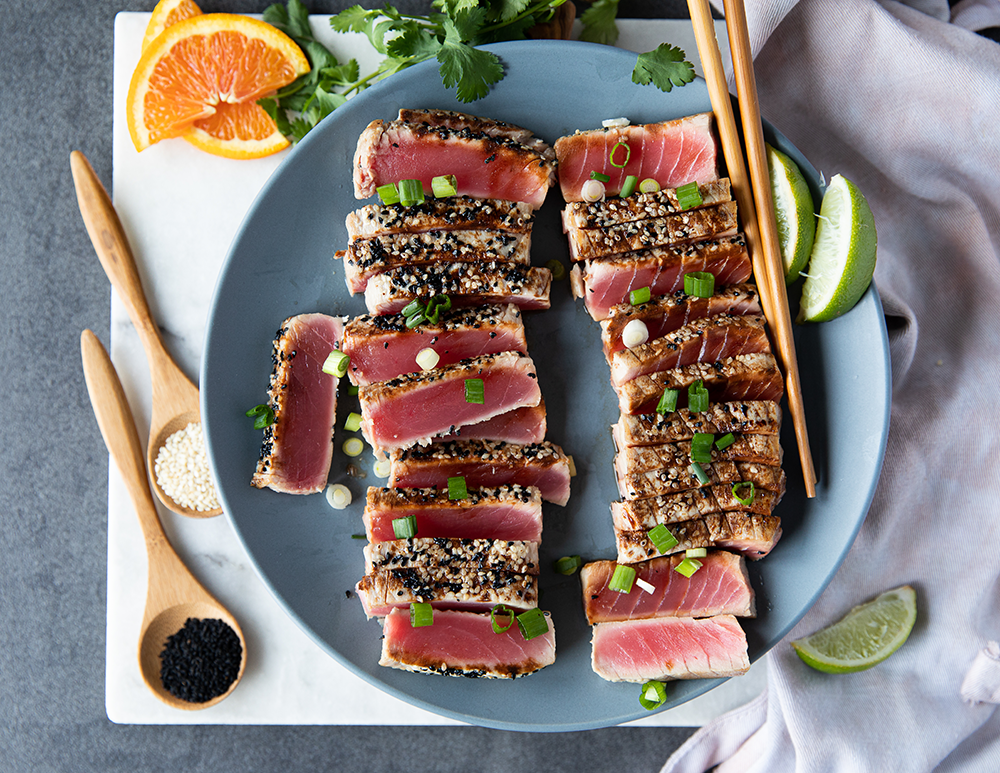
470	71
664	67
414	41
353	19
599	23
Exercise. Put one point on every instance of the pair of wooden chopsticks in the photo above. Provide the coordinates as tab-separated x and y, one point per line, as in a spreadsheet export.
753	194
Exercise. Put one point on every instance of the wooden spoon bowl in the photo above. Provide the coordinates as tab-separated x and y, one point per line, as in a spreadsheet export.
173	594
175	397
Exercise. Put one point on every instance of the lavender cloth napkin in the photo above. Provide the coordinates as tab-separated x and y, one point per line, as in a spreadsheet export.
906	104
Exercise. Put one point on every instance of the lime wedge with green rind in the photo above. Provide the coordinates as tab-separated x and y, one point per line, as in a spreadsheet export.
842	262
866	636
794	212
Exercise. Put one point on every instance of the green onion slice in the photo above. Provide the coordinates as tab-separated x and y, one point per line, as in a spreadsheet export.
557	268
639	296
421	614
475	391
628	154
748	499
600	176
413	307
697	397
649	185
444	185
405	527
532	623
725	441
414	320
388	193
352	389
628	186
501	609
441	301
688	196
695	553
701	447
353	422
568	564
661	537
262	415
353	446
411	192
688	566
700	284
653	695
622	578
699	473
668	401
457	488
336	363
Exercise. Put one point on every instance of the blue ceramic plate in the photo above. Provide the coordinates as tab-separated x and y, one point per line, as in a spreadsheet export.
281	263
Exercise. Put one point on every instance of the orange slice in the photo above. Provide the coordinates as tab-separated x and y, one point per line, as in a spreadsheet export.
202	68
166	14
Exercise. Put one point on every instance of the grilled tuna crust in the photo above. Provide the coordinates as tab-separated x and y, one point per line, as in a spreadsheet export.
636	514
482	451
378	498
457	121
615	210
452	212
714	530
745	416
680	478
455	585
483	554
763	449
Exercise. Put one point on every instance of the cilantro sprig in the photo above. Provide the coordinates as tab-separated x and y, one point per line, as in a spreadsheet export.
451	34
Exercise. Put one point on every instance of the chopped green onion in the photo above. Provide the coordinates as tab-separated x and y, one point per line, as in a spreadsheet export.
700	284
405	527
432	314
688	566
699	473
572	466
697	397
600	176
441	301
411	192
653	695
725	441
421	614
388	193
413	307
649	185
457	488
568	564
382	468
557	268
647	587
634	334
628	186
501	609
444	185
662	538
640	295
262	415
688	196
475	391
359	536
747	500
668	401
338	496
701	447
628	154
532	623
353	446
427	358
353	422
352	389
414	320
591	191
336	363
622	578
695	553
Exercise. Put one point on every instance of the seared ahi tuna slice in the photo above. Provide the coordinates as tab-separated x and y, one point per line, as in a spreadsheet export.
474	123
444	214
507	555
484	464
720	587
468	284
763	449
638	514
606	282
297	448
522	425
747	533
699	224
486	166
749	417
463	644
615	210
672	152
680	478
368	256
383	347
743	377
457	586
666	313
669	648
505	512
415	407
705	340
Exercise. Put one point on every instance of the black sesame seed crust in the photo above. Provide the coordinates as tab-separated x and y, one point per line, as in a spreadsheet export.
482	554
200	661
614	210
440	214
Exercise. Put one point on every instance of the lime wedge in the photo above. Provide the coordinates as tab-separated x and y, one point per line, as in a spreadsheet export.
794	212
867	635
843	256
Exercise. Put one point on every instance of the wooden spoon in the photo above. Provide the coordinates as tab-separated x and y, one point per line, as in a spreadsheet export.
173	595
175	397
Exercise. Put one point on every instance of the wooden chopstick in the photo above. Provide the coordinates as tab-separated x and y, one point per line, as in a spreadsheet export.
753	196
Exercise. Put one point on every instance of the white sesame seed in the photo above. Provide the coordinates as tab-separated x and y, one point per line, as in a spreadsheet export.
182	471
